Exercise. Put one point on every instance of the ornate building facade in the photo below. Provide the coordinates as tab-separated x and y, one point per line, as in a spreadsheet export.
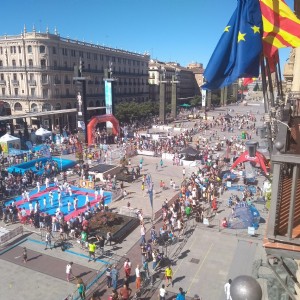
187	86
37	69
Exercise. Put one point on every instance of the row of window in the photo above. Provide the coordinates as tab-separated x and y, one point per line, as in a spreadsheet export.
57	92
65	65
67	80
47	106
75	53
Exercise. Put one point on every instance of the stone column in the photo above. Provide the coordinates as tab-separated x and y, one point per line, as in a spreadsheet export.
174	98
296	72
162	100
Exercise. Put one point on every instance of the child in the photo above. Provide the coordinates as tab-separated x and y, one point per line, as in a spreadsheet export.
69	206
24	255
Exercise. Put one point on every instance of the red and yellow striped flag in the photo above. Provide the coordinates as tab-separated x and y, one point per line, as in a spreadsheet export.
280	25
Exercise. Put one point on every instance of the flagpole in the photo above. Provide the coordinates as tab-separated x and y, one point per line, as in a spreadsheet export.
272	98
278	76
266	101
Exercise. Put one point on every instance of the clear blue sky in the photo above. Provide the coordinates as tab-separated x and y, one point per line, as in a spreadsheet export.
170	30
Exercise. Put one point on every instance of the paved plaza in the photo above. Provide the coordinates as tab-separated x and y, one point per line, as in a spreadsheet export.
202	260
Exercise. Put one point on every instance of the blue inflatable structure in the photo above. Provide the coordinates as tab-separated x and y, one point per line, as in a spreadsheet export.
63	164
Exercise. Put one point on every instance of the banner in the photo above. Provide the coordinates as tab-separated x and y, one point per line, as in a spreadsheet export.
108	97
203	92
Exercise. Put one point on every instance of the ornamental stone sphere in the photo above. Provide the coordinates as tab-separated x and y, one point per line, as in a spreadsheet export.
245	287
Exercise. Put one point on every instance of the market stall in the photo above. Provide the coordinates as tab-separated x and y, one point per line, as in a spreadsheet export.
8	141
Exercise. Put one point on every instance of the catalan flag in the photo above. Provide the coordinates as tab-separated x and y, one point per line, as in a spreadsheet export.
280	25
239	49
248	80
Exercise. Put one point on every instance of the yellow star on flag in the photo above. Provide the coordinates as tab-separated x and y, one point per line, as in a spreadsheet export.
227	29
241	37
255	29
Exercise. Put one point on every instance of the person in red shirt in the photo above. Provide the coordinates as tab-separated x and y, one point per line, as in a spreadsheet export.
214	205
125	292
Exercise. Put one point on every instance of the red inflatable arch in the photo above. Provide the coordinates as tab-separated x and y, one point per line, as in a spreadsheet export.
258	159
100	119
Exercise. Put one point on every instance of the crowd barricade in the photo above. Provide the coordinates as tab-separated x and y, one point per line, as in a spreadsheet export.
145	152
168	156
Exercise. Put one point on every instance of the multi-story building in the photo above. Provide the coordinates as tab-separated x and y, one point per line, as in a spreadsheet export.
187	86
198	71
37	69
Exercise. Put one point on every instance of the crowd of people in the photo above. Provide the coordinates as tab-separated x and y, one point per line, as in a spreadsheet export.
197	197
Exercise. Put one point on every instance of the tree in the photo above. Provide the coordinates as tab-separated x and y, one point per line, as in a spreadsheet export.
196	101
129	111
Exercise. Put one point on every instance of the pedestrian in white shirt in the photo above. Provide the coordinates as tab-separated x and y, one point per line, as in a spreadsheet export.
162	293
227	289
38	185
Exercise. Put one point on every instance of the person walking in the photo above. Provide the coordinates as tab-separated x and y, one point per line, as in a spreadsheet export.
108	276
69	271
92	249
137	277
48	239
125	292
24	255
162	293
81	288
143	234
114	277
227	289
161	163
169	275
101	241
127	268
181	294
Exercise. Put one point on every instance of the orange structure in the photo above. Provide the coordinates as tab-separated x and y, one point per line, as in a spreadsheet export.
100	119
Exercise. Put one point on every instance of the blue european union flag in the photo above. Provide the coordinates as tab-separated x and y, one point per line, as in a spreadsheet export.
239	49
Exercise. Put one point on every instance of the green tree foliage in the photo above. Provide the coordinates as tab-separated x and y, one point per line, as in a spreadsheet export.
196	101
128	111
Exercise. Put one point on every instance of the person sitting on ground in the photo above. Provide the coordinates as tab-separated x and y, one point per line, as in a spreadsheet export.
225	223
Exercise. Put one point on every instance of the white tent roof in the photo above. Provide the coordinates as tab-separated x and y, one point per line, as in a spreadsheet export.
41	131
7	138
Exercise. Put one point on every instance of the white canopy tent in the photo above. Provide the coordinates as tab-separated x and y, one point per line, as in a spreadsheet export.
43	133
8	141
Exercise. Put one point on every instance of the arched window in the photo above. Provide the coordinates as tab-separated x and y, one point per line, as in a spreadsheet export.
18	107
91	104
29	49
30	63
57	106
97	103
69	105
46	107
42	49
34	107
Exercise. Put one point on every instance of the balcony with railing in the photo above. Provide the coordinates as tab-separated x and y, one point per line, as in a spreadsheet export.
45	82
2	82
32	82
283	228
15	82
